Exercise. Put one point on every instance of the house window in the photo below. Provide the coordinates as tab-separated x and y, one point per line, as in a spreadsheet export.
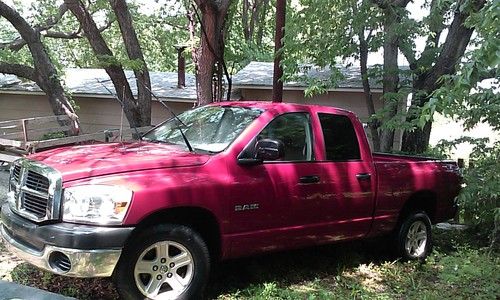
341	142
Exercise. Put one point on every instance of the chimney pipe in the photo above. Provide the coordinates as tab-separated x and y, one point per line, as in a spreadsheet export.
181	66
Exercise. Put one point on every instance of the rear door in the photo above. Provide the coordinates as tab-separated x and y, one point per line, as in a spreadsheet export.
348	172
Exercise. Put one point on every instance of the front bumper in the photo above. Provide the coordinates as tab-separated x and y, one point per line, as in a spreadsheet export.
92	251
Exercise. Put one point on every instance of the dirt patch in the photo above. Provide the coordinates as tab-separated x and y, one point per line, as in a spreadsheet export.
7	263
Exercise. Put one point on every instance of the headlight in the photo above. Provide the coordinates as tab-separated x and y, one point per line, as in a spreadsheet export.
96	204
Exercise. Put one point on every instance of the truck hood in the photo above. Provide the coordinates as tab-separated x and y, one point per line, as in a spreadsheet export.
79	162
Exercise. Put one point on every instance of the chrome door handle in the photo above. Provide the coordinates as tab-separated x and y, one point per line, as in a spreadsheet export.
363	176
309	179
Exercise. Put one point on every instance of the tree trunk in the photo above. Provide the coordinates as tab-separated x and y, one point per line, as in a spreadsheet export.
211	49
390	77
373	125
262	22
417	141
134	52
244	20
44	73
114	69
277	95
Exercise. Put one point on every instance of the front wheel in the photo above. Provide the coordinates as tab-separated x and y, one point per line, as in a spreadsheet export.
414	239
163	262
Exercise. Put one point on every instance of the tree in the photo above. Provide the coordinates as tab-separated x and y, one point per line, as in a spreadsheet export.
253	18
471	95
344	35
137	111
249	33
436	60
210	52
277	94
324	31
392	16
42	71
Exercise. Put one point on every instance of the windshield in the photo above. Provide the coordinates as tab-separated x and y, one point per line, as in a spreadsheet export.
208	128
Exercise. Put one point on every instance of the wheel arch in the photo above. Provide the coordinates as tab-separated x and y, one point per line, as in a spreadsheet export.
199	219
424	200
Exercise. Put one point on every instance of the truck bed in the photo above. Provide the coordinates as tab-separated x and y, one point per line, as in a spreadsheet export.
386	157
401	176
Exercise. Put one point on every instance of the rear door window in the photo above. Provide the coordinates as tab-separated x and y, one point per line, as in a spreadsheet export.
341	142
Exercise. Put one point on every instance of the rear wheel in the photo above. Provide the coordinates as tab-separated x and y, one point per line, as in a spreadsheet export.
414	239
163	262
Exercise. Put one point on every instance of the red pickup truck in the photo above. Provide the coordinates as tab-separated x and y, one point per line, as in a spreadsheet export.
220	181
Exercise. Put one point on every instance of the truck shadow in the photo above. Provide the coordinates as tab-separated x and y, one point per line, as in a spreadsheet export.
296	266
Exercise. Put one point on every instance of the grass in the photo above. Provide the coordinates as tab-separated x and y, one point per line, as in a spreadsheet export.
459	268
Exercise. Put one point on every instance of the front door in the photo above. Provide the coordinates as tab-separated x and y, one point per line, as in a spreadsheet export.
283	190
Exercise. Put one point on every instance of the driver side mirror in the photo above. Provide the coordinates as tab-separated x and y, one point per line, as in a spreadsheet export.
269	149
264	149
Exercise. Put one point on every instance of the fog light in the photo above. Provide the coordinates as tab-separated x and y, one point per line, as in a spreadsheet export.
59	262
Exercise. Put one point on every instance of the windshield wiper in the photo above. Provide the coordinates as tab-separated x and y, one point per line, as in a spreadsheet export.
184	137
188	144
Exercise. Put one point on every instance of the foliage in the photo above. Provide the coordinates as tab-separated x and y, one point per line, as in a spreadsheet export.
471	96
53	135
240	51
325	33
158	29
459	268
481	194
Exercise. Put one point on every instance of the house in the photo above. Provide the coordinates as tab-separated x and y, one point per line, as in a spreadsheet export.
98	109
255	82
91	90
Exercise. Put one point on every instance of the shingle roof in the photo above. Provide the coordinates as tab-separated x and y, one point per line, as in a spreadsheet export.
261	74
90	82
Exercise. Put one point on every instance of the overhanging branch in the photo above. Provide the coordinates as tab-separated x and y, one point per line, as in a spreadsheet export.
45	30
18	70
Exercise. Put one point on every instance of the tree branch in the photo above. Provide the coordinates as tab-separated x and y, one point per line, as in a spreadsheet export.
20	42
18	70
384	4
51	22
409	54
75	34
454	46
27	33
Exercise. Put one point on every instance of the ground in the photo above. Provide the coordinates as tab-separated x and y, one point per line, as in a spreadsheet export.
459	268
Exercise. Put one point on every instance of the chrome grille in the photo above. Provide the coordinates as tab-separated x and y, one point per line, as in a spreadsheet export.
35	204
37	182
36	190
16	174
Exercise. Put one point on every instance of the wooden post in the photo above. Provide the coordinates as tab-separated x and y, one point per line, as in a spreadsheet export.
278	45
25	130
461	165
466	213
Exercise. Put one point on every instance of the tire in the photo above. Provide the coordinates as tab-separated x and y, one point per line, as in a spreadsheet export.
414	237
180	274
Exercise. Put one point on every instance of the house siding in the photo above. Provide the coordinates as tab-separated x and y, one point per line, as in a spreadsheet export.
352	101
96	114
